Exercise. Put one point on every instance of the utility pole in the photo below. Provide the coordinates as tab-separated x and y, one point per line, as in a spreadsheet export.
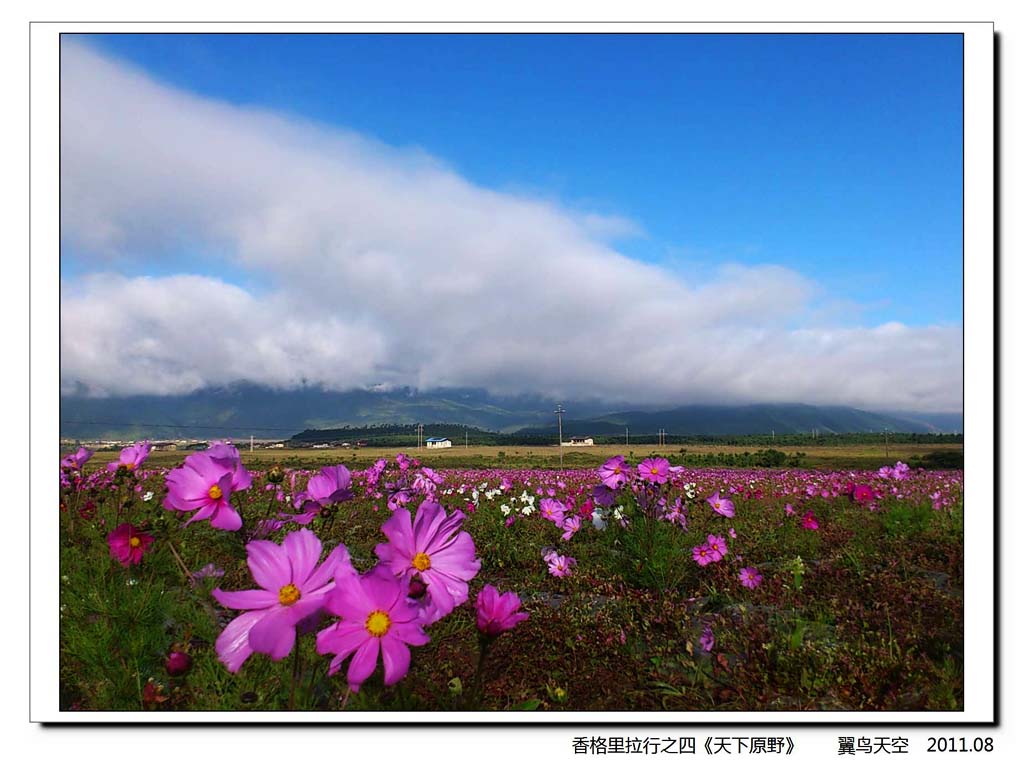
559	411
627	436
886	443
251	445
419	436
467	439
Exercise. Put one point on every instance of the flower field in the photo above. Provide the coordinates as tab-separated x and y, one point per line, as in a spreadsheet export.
638	586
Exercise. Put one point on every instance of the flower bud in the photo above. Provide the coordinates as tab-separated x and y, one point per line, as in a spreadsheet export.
178	663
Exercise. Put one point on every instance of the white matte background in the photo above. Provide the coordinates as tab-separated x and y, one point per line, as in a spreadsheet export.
464	745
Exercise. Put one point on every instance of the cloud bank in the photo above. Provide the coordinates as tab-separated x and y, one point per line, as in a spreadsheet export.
379	265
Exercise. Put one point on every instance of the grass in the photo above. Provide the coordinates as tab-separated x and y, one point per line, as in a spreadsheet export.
535	457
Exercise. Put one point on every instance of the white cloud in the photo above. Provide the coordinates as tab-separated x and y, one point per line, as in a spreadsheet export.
386	267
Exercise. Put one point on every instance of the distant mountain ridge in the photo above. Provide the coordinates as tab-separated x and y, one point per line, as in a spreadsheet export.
239	411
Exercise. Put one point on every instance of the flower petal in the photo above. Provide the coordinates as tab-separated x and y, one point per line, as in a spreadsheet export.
269	565
396	659
302	548
252	599
233	643
363	662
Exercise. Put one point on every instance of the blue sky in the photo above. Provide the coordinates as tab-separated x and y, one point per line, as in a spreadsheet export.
836	155
669	219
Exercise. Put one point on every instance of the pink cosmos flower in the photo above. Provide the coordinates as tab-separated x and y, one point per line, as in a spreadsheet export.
553	511
809	521
655	470
228	456
433	547
723	506
332	484
614	472
204	485
862	494
128	544
377	618
560	566
76	460
571	526
131	457
497	613
292	587
718	548
732	533
603	496
702	555
750	577
707	639
790	511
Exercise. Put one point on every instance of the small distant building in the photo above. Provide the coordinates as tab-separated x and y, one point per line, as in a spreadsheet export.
321	446
579	442
434	443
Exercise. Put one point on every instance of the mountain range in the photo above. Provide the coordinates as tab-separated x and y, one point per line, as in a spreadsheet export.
243	410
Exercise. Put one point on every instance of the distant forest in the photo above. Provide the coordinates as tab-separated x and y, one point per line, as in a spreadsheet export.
398	435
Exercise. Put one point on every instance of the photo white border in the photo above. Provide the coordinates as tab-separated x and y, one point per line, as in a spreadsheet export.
979	381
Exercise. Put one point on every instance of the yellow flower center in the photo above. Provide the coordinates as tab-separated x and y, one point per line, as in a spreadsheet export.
288	595
421	561
134	542
130	466
378	623
654	470
216	493
618	470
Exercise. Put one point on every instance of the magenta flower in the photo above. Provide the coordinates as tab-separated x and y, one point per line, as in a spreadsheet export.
497	613
571	526
809	521
228	456
553	511
560	565
292	588
128	544
131	457
723	506
703	555
707	639
433	547
790	511
717	546
655	470
614	472
750	577
332	484
203	484
76	460
862	494
603	496
377	618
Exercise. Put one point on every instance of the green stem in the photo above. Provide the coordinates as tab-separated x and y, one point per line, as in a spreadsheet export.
478	677
295	676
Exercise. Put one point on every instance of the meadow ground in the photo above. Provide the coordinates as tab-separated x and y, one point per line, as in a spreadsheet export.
538	457
827	590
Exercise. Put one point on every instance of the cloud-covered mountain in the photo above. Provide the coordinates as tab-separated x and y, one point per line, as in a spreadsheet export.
268	413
